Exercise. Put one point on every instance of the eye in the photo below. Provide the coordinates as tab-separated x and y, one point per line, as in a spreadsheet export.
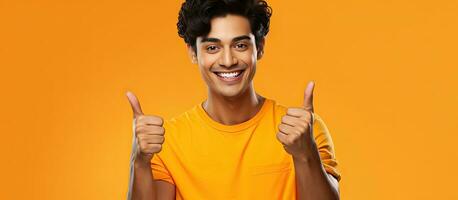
241	46
212	48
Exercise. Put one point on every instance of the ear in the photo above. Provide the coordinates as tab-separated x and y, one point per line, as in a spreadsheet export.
192	54
261	47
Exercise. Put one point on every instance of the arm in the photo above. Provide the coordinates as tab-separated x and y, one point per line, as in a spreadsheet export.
146	188
296	135
312	181
148	138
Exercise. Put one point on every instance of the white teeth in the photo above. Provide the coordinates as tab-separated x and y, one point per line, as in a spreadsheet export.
229	75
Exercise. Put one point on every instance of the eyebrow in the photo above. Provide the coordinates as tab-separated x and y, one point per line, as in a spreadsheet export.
243	37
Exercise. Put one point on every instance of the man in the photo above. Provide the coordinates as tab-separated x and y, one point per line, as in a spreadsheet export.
236	144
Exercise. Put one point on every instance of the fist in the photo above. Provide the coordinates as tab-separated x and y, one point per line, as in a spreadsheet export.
295	131
150	136
149	132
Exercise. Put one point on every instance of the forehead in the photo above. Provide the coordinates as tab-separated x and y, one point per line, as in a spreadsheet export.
228	27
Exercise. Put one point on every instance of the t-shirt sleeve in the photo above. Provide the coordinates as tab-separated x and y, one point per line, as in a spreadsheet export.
325	147
159	170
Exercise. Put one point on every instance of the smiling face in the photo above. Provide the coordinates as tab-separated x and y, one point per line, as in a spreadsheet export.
227	56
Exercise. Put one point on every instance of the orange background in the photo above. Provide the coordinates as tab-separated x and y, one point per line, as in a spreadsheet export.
386	74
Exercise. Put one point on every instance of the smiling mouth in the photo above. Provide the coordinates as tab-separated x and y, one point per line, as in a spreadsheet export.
230	78
229	75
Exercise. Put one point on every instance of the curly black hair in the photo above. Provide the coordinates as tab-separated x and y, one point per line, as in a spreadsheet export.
195	15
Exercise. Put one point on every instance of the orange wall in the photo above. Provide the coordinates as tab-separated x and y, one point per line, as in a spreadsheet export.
386	74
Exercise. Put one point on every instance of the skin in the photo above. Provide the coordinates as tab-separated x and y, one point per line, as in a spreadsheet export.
229	46
150	137
295	132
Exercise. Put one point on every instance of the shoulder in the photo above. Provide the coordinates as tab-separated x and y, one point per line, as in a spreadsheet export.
178	130
183	122
278	108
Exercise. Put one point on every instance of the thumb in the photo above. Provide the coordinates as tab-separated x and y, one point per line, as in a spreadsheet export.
136	108
308	96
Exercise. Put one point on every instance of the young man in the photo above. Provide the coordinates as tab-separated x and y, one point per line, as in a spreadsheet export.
236	144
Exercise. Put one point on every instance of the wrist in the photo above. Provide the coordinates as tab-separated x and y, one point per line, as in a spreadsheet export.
305	158
309	154
141	164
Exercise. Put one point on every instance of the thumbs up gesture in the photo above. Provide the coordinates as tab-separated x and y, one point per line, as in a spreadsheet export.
295	129
148	130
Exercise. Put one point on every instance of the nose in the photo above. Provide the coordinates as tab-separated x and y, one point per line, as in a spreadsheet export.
227	59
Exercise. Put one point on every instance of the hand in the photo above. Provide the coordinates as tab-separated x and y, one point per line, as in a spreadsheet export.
148	130
296	127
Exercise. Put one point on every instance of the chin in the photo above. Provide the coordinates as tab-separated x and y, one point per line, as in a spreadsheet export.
231	92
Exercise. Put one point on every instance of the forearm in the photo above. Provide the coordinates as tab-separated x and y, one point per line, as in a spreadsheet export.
143	184
312	181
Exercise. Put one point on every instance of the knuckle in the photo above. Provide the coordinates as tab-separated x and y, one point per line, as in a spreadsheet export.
289	110
282	127
162	130
156	120
157	147
278	136
140	128
158	129
161	139
284	118
160	120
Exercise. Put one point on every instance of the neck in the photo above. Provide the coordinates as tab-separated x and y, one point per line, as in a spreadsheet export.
233	110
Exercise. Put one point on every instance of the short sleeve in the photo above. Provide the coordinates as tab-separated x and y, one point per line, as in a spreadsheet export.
325	147
159	170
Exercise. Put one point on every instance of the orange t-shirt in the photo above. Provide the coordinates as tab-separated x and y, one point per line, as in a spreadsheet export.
205	159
